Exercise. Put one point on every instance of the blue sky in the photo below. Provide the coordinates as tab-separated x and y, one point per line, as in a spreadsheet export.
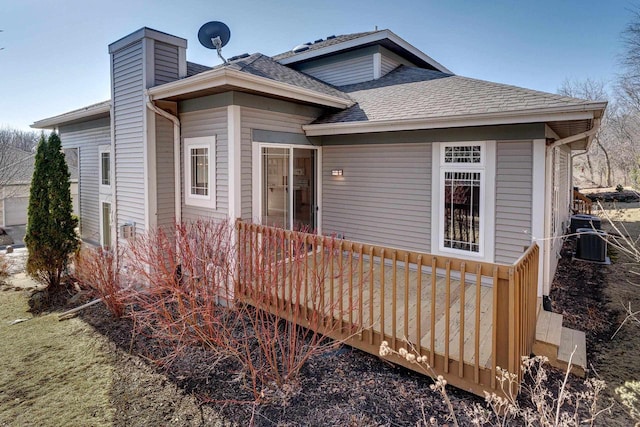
55	55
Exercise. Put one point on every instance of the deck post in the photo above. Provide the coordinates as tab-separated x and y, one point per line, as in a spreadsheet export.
444	312
503	324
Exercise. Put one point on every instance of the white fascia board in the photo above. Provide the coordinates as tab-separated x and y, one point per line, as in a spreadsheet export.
502	118
370	38
82	113
417	52
225	76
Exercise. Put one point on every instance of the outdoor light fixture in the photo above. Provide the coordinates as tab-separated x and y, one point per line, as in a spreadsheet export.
336	172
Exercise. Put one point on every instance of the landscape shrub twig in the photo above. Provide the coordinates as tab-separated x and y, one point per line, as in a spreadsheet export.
269	323
505	408
97	270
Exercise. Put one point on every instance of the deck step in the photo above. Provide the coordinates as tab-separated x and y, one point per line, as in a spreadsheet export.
548	334
572	339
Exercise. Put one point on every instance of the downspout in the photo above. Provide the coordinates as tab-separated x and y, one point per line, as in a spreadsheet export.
176	153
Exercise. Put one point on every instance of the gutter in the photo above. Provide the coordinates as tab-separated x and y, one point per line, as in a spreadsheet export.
228	77
587	134
176	153
580	112
75	115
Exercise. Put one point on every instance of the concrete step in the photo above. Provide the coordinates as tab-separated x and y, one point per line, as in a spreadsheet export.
572	339
548	334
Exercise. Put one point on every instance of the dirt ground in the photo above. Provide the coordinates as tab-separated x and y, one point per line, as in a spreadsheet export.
595	299
344	387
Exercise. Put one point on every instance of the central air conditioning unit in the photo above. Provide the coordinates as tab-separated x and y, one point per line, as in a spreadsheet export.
592	245
585	221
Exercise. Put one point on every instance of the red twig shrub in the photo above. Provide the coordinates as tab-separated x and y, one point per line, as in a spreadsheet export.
266	307
183	294
97	269
288	282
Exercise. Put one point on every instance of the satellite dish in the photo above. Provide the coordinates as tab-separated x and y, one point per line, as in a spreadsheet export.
214	35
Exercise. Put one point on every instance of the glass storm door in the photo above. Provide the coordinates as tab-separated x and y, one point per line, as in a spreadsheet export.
275	187
304	190
289	188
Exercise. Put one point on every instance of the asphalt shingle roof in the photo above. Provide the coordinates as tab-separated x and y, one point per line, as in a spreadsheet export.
416	93
193	68
324	43
261	65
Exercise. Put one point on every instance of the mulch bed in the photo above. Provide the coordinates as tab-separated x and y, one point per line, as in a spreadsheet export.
578	293
342	387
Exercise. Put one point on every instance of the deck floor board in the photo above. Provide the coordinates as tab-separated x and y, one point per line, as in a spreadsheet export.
333	285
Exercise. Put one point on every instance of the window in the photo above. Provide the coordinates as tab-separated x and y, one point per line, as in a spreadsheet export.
462	210
105	166
105	224
199	171
462	193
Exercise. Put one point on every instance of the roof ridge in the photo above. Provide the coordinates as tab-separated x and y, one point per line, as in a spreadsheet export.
328	41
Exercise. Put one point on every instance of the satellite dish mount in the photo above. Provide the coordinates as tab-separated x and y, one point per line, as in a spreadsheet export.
214	35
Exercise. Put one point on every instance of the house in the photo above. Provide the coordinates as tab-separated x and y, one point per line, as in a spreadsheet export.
16	170
362	136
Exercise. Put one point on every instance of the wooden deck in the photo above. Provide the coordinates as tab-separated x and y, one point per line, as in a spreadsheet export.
468	318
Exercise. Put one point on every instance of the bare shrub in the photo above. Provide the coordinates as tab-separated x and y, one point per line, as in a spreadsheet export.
5	268
545	407
181	282
199	290
287	274
96	269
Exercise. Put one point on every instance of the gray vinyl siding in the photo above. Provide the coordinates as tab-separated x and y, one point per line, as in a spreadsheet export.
387	64
263	120
87	137
384	196
211	122
347	71
128	85
166	63
164	173
514	172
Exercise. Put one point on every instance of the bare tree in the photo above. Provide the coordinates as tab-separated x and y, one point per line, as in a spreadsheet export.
628	94
16	160
629	81
17	138
598	154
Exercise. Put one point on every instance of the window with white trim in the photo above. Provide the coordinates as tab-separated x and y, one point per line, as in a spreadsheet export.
104	166
199	171
461	197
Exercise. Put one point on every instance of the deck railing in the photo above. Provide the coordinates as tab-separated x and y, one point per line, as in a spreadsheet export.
581	203
467	317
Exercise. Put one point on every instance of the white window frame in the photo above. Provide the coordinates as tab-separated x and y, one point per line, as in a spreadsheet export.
486	168
256	197
102	200
208	201
101	150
